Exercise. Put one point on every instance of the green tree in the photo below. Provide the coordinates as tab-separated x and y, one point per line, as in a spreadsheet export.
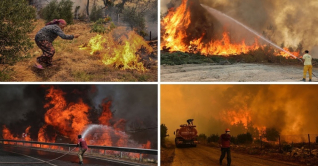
58	10
271	134
163	133
136	20
213	138
96	13
244	138
16	21
202	138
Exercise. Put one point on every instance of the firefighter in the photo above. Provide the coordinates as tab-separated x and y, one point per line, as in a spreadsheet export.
224	143
44	39
307	66
83	148
190	121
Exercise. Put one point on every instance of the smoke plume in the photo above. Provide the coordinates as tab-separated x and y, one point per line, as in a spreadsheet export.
290	109
285	22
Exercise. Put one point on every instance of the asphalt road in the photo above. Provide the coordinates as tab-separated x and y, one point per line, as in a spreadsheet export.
208	156
21	156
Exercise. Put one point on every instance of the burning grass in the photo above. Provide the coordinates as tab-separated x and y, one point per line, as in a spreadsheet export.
74	64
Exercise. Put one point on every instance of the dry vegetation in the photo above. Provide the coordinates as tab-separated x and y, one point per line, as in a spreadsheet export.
167	153
73	64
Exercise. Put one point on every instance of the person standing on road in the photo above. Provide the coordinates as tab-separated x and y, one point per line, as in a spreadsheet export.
190	121
224	143
307	66
83	148
44	39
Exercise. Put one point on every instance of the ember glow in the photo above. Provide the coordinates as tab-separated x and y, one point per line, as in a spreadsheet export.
65	119
241	108
176	38
120	53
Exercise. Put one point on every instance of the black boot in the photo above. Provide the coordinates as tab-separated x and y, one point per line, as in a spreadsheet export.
309	80
303	80
81	162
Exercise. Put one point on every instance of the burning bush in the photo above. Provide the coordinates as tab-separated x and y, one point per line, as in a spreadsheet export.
123	52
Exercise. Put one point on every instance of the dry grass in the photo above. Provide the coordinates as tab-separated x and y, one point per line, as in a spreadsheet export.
167	153
73	64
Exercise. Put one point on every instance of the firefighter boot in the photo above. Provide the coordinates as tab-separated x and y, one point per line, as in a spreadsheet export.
309	80
304	79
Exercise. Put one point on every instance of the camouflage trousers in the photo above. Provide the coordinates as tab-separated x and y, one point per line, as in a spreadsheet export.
48	52
81	153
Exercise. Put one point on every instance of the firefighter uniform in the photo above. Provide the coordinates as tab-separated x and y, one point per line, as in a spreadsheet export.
307	66
224	141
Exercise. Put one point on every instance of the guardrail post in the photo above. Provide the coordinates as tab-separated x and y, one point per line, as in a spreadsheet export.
121	154
104	152
69	148
23	144
140	156
91	150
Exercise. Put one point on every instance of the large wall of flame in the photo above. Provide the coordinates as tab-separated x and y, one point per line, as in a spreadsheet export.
291	109
293	21
22	106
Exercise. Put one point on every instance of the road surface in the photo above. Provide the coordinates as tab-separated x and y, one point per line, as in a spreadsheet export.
240	72
22	156
208	156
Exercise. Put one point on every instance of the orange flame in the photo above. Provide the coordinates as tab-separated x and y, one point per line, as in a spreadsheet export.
6	134
69	119
106	114
27	138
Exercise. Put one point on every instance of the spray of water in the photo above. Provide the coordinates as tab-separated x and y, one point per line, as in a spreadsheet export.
214	11
91	127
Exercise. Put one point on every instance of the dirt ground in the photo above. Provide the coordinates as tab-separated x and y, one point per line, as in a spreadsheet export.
73	64
239	72
209	156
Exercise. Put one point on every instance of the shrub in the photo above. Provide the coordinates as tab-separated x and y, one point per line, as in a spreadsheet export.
244	138
213	138
96	13
16	18
136	20
58	10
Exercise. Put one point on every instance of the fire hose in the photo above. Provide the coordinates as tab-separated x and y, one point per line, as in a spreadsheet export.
38	162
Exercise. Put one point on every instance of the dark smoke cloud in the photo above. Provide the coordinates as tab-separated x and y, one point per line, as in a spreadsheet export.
285	21
23	105
290	109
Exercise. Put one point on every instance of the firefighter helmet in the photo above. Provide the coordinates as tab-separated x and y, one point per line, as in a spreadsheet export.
227	130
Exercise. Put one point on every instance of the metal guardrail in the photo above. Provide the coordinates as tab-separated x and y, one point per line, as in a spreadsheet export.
120	149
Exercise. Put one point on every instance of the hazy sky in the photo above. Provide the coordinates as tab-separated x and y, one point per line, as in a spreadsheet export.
291	109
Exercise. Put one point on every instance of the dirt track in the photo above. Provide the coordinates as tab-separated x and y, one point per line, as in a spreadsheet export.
203	156
240	72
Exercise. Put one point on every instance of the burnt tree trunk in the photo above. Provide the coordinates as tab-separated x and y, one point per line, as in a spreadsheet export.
87	8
